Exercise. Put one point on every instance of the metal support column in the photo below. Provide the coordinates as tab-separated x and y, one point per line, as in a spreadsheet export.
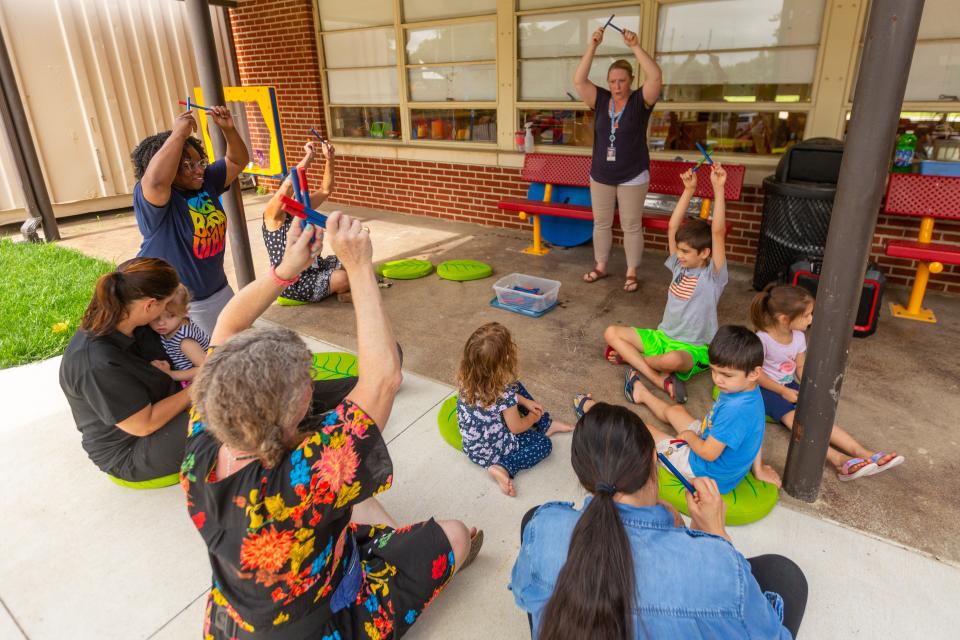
14	119
887	52
205	51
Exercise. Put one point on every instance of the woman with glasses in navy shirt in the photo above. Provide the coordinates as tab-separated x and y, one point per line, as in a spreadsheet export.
177	205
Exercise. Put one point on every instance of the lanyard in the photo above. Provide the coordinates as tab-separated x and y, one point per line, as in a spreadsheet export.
614	120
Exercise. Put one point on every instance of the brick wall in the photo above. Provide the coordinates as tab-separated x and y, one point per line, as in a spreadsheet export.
275	46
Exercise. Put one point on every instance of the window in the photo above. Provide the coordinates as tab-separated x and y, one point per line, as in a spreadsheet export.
451	70
360	59
550	47
935	70
570	127
756	132
739	50
938	133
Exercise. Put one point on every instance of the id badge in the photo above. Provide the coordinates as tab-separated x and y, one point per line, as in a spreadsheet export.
611	154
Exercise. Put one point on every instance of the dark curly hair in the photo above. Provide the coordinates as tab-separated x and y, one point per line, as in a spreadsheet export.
143	153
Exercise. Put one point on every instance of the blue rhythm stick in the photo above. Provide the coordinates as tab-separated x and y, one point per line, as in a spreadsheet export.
672	469
610	24
190	105
317	135
706	157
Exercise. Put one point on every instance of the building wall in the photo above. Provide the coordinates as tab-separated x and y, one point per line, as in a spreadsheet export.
276	45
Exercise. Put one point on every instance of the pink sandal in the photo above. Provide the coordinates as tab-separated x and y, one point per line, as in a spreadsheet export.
844	474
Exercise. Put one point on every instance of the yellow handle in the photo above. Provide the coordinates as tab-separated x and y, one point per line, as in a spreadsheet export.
522	215
936	267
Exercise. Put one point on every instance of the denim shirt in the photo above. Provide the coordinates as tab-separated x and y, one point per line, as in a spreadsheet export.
689	584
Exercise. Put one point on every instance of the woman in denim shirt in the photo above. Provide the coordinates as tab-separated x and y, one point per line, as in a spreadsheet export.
624	566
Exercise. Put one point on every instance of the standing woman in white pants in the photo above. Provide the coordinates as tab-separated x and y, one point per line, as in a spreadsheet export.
620	171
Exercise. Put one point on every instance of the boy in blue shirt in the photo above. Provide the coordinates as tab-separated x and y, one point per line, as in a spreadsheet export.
677	349
727	441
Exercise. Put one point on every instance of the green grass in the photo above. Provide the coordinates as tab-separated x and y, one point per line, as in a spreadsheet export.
44	290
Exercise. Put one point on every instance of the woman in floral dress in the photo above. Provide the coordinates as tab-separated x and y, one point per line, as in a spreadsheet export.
282	493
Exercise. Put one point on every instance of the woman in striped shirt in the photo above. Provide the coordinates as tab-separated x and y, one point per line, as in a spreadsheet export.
184	342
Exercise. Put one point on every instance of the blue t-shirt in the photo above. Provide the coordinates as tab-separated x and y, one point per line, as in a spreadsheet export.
736	420
189	232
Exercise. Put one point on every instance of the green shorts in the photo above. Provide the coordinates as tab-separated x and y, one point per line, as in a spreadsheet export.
657	343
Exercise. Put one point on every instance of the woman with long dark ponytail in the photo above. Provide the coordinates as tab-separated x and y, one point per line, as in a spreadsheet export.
115	374
625	566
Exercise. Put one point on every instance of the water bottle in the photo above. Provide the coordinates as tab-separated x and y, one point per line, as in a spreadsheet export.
903	156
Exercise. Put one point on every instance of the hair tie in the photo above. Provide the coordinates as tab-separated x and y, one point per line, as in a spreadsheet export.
606	489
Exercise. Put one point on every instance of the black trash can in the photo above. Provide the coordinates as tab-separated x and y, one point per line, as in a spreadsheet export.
797	202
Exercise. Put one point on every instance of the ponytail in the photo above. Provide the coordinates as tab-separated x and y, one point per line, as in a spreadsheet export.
775	300
132	280
760	316
612	452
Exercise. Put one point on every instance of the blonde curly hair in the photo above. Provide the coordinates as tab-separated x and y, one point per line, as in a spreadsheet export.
250	390
488	365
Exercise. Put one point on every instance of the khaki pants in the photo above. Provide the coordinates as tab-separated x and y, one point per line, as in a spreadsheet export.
605	198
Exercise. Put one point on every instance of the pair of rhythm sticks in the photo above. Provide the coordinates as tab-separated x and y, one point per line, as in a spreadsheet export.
299	205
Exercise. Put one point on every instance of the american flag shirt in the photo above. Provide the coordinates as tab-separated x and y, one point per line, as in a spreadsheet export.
691	312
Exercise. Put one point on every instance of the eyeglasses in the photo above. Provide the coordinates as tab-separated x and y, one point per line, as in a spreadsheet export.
190	167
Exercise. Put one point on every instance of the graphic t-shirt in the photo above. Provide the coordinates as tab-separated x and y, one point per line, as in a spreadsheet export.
780	360
691	312
189	232
736	420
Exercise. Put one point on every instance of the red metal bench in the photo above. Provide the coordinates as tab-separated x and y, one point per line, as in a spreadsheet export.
926	197
574	171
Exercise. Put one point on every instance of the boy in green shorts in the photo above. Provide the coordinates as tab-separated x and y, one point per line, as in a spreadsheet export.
677	348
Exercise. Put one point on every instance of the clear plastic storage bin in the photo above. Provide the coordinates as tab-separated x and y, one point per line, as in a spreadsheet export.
526	292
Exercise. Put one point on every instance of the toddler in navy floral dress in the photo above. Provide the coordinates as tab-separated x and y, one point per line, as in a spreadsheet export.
184	342
503	428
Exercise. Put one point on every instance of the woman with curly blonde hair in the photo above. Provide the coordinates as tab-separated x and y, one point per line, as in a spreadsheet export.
503	428
281	488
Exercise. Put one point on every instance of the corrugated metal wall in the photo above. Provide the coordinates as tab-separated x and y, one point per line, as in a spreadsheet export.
96	76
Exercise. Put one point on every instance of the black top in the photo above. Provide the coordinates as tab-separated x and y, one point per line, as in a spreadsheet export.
632	155
106	380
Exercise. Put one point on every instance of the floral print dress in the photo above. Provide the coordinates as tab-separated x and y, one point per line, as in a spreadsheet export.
287	562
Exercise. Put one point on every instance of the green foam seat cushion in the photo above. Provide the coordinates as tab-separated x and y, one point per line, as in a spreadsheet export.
153	483
405	269
289	302
749	501
447	421
330	365
463	270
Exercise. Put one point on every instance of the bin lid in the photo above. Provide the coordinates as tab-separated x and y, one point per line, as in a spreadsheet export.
814	160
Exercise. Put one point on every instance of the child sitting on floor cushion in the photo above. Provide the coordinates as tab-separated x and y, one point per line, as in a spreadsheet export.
726	442
503	428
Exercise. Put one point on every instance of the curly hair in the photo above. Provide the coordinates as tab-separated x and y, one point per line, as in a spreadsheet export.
143	153
250	390
488	365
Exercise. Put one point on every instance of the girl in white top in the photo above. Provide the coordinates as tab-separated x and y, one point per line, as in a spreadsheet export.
780	315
